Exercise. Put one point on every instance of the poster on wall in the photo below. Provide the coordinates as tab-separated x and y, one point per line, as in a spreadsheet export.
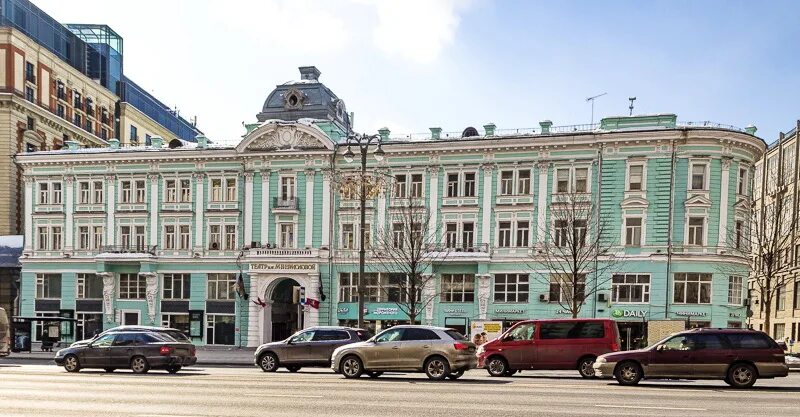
195	323
493	329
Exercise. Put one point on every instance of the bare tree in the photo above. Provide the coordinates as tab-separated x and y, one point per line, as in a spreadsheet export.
575	252
409	246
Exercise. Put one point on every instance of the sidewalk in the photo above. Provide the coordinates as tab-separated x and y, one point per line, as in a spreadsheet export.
206	355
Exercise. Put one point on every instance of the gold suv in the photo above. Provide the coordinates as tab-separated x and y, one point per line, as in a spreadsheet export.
439	352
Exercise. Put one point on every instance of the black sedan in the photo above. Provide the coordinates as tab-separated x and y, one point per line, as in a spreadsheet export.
139	351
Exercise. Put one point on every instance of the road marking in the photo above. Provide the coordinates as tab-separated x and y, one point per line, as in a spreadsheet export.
650	408
283	395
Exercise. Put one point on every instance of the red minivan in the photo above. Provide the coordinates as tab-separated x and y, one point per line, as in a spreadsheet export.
550	344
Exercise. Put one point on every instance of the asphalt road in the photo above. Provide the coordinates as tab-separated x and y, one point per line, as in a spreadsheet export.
28	389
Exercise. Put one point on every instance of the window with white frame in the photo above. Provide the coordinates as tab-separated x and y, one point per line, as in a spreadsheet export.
515	182
133	191
738	234
523	233
178	321
132	287
630	288
635	177
83	237
287	235
89	286
788	164
562	180
511	288
696	234
97	241
741	185
348	236
504	234
48	286
408	185
416	189
185	191
84	192
398	235
170	236
458	288
231	190
132	236
288	188
223	189
215	237
467	234
566	288
451	235
691	288
55	237
469	184
400	186
699	178
506	182
230	237
581	183
221	286
221	237
348	288
50	192
49	238
461	184
633	231
735	290
572	180
171	191
523	181
561	232
176	286
184	237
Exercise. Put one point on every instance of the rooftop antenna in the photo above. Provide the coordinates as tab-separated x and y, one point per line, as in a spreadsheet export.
632	99
592	100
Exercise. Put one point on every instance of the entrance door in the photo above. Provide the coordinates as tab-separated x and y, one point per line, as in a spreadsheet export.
130	317
284	311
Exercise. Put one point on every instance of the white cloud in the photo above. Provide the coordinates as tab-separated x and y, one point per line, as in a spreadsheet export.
417	30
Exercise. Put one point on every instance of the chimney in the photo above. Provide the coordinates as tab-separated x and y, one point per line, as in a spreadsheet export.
436	133
156	142
384	132
309	73
489	129
751	130
202	141
113	143
545	125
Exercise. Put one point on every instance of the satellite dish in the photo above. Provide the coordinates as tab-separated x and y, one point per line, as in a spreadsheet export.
470	131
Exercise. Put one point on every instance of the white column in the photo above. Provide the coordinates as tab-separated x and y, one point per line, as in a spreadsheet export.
111	204
265	202
28	220
312	314
253	313
723	202
248	207
326	210
199	211
433	205
484	290
69	206
487	205
380	224
541	224
153	209
309	211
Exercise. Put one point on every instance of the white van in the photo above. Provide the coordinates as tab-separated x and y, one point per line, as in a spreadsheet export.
5	334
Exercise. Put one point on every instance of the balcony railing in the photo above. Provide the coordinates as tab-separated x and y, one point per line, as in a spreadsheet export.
287	252
136	249
479	248
285	203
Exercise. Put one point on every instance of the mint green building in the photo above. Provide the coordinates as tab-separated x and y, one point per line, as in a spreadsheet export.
162	234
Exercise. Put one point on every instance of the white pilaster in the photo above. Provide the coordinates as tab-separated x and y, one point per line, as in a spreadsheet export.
265	202
541	210
151	280
199	211
487	205
248	207
380	224
309	211
28	213
153	209
723	202
433	205
484	290
326	210
253	313
312	314
69	206
111	204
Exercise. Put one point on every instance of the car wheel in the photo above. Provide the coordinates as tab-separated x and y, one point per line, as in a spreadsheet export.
586	367
293	368
373	374
71	363
741	375
109	370
437	368
268	362
497	366
173	369
455	375
351	367
628	373
139	365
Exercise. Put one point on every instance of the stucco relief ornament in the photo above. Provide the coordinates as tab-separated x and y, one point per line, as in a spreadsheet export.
285	138
483	295
108	295
150	293
429	294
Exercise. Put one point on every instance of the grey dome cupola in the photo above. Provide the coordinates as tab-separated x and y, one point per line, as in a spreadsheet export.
306	98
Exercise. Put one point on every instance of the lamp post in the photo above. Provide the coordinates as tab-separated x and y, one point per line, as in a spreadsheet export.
362	143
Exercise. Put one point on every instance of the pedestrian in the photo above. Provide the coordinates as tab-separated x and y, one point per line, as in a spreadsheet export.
484	337
476	339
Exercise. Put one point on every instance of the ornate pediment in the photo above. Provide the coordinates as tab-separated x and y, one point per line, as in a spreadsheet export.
698	201
634	202
285	137
742	204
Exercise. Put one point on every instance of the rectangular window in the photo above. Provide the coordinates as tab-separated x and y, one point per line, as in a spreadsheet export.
524	182
216	189
692	288
511	288
469	184
741	187
504	235
565	289
83	237
635	173
507	182
633	231
348	287
44	193
458	288
287	235
400	186
452	185
215	237
287	188
43	237
698	176
630	288
367	236
523	233
779	331
97	242
56	197
451	235
84	192
125	236
176	286
127	192
796	295
170	191
139	236
348	236
739	230
89	286
560	235
230	237
184	238
48	286
695	236
581	180
780	298
30	95
230	189
186	191
132	287
562	180
220	286
416	185
788	164
398	235
134	135
735	290
55	233
468	234
579	232
169	237
140	191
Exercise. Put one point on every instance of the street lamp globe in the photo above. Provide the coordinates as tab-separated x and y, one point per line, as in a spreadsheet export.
379	154
348	156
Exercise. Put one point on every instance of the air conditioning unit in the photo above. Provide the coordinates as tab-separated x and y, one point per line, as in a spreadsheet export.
544	297
214	245
270	246
601	297
255	244
746	302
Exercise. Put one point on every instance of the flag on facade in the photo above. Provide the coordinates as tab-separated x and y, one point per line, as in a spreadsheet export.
239	287
312	302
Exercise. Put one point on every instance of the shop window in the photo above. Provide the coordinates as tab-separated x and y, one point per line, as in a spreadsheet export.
692	288
458	288
565	289
132	287
176	286
630	288
89	286
220	287
48	286
220	329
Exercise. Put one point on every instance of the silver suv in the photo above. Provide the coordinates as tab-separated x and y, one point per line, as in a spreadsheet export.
439	352
309	347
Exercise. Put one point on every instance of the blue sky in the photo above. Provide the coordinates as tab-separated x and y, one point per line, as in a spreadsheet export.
414	64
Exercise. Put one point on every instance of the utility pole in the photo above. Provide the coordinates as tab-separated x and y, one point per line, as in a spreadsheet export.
592	100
